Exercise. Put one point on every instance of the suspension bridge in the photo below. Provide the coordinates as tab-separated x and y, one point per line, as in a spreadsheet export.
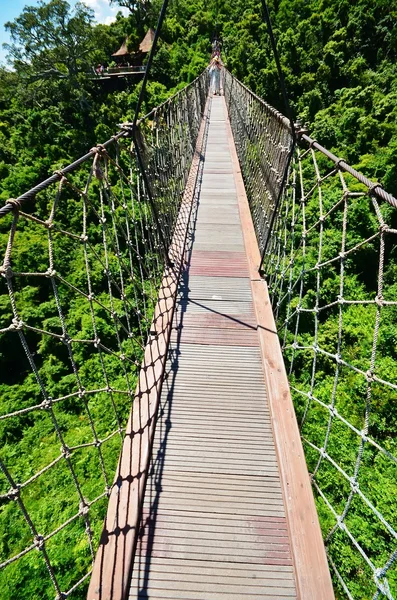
198	392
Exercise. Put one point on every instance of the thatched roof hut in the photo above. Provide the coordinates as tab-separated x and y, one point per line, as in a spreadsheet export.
123	50
146	44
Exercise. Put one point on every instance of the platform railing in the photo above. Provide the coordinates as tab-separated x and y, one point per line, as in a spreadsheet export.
124	69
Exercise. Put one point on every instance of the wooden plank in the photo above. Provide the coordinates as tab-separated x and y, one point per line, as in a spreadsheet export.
207	484
219	288
221	266
216	306
214	580
221	520
311	566
178	595
221	337
224	566
213	320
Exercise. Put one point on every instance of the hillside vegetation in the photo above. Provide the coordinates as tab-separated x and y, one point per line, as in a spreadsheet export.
340	63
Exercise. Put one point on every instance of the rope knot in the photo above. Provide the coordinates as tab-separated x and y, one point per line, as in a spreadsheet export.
60	174
39	542
14	492
66	339
17	324
380	572
83	509
99	149
47	403
127	128
65	451
339	163
379	300
373	187
15	203
383	586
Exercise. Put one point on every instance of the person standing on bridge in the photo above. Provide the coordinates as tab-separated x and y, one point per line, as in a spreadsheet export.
215	74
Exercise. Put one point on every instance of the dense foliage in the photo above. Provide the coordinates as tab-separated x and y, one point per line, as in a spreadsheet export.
340	63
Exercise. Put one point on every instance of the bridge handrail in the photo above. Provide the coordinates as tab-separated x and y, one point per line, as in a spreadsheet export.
124	132
374	188
268	107
174	96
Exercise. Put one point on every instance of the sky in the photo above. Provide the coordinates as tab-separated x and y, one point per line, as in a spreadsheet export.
9	9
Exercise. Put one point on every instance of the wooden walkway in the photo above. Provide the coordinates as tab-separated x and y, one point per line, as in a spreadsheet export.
214	524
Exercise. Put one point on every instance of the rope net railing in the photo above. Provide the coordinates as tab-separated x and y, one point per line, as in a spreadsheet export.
83	257
263	141
330	264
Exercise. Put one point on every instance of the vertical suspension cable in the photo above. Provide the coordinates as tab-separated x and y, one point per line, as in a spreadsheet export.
134	130
288	110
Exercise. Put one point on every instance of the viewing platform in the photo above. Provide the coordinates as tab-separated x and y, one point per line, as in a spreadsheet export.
114	72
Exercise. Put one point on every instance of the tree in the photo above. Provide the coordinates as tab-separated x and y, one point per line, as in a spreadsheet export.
51	39
139	9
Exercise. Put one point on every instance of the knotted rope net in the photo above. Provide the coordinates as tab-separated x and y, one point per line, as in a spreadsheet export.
83	257
330	263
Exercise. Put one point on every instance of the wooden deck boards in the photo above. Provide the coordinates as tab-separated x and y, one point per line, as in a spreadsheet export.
213	524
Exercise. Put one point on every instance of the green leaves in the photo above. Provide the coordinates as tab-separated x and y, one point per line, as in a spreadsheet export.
50	39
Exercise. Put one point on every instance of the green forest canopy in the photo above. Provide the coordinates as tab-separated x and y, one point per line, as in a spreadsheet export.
340	66
339	61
